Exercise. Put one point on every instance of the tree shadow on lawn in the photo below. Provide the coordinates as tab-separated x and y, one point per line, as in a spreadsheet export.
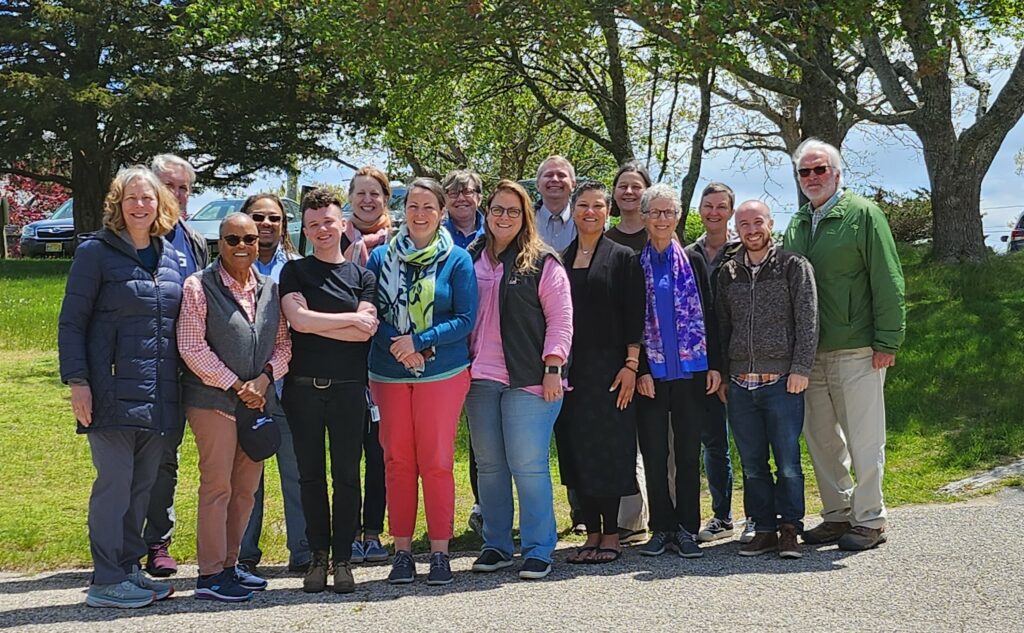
719	561
955	390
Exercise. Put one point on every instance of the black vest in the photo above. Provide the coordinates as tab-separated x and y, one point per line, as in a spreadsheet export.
523	325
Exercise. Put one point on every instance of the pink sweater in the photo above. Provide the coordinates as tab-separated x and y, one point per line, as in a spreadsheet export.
485	350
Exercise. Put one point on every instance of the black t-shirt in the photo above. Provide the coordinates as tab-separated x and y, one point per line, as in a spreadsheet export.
332	288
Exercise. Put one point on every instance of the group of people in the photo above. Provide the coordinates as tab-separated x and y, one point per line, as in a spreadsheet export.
633	351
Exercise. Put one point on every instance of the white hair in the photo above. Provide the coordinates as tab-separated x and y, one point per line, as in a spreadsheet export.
835	159
555	158
162	162
660	191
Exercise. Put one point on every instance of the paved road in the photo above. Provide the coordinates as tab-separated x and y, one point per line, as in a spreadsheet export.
945	568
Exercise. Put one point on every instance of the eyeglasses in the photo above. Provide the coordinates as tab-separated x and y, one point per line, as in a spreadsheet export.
511	212
819	170
668	213
462	192
234	240
260	217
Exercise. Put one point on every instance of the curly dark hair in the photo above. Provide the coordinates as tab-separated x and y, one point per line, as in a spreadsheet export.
320	198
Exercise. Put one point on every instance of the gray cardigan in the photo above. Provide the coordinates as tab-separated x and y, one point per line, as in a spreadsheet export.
768	320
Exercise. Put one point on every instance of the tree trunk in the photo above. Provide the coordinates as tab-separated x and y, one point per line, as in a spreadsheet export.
957	235
689	186
90	176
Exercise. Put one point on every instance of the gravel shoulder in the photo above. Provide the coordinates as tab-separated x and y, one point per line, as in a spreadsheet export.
945	568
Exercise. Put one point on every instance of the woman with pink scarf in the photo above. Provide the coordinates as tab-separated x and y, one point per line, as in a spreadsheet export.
369	225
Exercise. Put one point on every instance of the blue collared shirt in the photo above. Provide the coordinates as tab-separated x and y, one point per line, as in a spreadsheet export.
822	211
661	267
465	240
273	268
556	229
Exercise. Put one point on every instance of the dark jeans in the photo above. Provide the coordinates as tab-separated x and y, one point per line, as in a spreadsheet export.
683	402
770	417
340	411
375	492
718	460
126	463
160	516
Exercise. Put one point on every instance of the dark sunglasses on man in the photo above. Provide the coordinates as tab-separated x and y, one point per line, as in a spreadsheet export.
234	240
260	217
818	171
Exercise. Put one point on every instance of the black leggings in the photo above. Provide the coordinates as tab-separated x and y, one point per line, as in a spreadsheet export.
598	511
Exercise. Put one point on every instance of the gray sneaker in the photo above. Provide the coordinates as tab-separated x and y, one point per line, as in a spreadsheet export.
748	532
686	545
657	544
123	595
163	590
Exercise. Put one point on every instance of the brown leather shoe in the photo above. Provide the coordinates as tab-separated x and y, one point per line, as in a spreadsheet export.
826	532
789	547
343	580
861	537
762	543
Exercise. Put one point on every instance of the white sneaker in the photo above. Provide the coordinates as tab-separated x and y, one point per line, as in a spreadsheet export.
714	530
748	531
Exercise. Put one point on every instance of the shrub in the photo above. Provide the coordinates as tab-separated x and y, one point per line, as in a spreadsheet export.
910	216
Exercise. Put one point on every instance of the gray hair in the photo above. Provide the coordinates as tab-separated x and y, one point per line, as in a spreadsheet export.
555	158
835	159
459	180
162	162
660	191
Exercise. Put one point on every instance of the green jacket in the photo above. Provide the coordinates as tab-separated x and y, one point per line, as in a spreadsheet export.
858	274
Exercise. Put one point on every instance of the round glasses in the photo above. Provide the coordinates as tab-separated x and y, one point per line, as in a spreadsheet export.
512	212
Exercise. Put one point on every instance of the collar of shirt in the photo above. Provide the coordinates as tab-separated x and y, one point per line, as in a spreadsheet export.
279	259
450	225
564	216
234	286
829	204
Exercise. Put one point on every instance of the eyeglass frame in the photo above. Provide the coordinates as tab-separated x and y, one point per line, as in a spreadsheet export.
248	238
505	212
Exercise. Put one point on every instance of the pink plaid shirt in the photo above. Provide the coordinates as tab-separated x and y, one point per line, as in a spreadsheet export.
192	345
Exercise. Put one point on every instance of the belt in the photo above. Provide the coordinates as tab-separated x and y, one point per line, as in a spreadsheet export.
318	383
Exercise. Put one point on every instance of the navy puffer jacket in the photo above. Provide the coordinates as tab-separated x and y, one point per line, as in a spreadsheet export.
117	331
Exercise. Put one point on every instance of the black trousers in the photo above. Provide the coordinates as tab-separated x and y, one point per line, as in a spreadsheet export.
340	412
683	404
375	492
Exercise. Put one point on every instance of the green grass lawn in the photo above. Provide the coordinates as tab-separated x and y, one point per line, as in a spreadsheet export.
953	408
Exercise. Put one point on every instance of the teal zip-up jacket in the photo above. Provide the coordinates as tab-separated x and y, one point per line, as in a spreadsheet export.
858	274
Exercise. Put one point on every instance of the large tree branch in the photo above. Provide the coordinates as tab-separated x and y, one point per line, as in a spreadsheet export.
689	184
1005	112
63	181
888	78
971	78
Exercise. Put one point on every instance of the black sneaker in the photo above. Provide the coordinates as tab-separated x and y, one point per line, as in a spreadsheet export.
403	569
656	545
534	569
491	560
686	545
440	569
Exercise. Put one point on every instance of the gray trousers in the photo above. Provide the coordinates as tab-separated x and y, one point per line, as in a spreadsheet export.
160	516
126	463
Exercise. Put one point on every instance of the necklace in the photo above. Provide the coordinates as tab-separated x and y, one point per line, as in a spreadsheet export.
586	252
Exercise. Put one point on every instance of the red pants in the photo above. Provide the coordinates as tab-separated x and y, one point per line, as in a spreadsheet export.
418	421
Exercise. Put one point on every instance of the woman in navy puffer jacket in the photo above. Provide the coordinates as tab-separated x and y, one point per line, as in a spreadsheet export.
119	354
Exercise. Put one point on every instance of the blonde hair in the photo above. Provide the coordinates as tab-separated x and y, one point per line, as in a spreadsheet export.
167	213
532	248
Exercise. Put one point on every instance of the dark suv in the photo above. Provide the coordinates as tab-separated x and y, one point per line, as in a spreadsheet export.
54	236
1015	240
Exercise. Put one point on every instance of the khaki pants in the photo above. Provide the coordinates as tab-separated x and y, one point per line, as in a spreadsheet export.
633	509
227	483
844	425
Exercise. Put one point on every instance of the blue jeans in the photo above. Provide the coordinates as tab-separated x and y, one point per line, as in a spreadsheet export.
511	434
294	521
717	459
770	417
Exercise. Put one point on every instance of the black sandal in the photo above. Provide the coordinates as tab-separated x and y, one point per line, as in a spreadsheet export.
606	550
578	552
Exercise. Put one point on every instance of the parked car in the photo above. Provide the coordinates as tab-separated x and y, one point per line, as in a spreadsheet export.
207	221
54	236
1015	240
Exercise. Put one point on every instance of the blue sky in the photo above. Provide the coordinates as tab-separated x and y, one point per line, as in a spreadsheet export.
891	164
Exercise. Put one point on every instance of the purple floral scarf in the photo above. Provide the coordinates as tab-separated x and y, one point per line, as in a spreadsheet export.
689	314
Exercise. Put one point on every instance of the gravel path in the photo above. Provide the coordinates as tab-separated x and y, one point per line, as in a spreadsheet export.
945	568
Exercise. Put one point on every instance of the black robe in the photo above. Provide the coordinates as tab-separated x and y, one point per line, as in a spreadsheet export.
596	441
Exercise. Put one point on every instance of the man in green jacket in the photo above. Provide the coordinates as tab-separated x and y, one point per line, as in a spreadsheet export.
862	319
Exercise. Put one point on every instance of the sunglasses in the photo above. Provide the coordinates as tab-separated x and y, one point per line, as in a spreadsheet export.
235	240
512	212
806	171
260	217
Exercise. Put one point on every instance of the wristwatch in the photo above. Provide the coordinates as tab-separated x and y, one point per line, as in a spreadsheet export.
553	369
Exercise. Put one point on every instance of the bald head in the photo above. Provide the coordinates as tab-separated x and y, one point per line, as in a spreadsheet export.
754	223
242	221
239	245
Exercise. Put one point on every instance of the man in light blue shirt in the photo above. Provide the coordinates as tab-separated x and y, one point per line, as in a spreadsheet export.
556	180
